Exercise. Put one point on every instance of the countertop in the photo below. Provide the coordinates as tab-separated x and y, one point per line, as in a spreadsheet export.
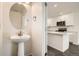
59	33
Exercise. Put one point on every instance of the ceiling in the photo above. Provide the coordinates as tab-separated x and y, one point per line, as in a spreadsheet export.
59	8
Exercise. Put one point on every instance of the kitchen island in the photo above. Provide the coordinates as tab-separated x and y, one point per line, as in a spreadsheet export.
58	40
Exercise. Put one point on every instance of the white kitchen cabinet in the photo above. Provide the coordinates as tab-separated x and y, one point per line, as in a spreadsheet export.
49	22
68	18
59	40
74	38
52	21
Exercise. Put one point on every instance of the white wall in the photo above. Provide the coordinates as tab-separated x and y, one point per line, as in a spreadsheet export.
9	30
38	29
52	24
76	27
1	29
27	29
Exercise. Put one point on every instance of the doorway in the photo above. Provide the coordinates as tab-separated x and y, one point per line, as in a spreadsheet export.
62	29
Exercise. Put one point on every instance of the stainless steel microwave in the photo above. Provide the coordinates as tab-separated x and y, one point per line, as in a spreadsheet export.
61	23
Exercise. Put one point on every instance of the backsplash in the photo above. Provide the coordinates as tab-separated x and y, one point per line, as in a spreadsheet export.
52	28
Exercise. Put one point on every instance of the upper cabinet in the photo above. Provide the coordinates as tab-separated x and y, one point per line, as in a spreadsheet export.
68	18
52	21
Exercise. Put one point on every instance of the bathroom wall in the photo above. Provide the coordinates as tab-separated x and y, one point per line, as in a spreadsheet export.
10	48
27	29
38	29
1	29
8	30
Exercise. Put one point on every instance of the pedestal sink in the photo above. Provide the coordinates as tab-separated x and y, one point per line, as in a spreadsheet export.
20	40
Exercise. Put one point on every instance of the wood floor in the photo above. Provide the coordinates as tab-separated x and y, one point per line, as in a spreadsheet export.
72	51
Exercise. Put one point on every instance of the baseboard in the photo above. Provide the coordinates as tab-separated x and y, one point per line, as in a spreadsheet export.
30	54
74	43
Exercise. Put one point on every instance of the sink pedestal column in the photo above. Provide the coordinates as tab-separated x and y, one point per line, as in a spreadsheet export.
20	40
21	49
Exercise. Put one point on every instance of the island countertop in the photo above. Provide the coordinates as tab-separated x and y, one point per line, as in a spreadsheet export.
59	40
59	33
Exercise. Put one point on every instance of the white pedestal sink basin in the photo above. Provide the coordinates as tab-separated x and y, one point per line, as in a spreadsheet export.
20	40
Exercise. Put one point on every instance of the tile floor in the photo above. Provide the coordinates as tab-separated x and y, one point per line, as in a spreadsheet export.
72	51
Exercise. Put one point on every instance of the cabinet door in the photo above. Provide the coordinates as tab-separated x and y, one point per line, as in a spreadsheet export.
52	21
74	38
68	18
49	22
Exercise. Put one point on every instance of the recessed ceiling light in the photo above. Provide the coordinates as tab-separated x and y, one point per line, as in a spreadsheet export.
55	5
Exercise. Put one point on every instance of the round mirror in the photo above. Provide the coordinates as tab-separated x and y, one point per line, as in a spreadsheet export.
17	13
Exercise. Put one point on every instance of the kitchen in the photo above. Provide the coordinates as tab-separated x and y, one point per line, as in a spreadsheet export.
63	29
